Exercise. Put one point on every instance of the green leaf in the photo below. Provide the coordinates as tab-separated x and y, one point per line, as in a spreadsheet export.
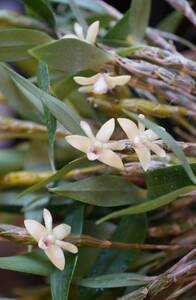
149	205
78	14
169	140
112	280
71	55
158	183
34	263
58	175
42	9
61	281
94	5
16	100
104	191
51	123
138	19
171	22
129	230
61	111
15	43
11	160
116	260
120	31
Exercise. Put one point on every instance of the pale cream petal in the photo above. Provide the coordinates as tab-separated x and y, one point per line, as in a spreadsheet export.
86	89
111	159
129	127
56	256
79	142
116	145
87	129
92	32
79	31
113	81
47	219
144	155
156	149
106	131
35	229
67	246
86	80
151	135
70	36
62	231
100	86
141	125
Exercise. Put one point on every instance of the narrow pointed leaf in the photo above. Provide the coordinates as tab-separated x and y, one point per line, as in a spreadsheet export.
51	123
138	19
112	280
103	191
71	55
149	205
33	263
15	43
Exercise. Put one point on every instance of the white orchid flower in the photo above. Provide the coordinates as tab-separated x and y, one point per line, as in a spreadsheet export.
91	35
50	240
142	141
98	147
100	83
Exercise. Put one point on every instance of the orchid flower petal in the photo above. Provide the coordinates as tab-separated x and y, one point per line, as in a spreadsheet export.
79	142
92	32
86	80
62	231
151	135
116	145
56	256
47	219
112	159
86	128
156	149
35	229
129	128
79	31
144	155
70	36
106	131
86	89
141	125
67	246
113	81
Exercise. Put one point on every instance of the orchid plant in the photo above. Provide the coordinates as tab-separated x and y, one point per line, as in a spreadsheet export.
97	132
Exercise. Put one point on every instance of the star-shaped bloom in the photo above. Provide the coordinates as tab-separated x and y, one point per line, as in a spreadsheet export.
100	83
91	35
98	147
143	141
50	240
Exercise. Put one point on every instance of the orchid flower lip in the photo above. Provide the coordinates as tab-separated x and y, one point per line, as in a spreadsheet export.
51	239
